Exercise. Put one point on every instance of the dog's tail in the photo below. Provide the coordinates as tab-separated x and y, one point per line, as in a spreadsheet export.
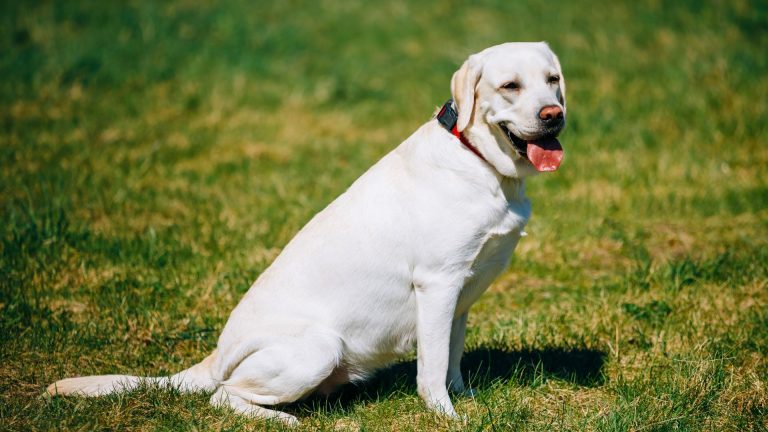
196	378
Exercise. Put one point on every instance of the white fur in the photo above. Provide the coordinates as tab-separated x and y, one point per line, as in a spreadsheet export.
396	260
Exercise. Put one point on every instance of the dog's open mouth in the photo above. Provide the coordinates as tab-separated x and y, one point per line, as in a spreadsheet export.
544	153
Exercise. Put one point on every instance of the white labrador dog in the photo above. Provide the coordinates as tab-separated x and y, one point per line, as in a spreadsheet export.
398	258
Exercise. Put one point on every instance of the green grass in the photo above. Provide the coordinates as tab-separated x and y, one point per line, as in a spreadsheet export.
156	156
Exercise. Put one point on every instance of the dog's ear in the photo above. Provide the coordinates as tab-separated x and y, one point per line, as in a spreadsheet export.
463	86
561	94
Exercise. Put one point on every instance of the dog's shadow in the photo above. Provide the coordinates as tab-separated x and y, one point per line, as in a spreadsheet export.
481	368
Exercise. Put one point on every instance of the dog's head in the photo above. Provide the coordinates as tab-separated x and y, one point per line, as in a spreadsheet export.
511	104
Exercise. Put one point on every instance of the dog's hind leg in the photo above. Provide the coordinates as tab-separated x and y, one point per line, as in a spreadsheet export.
222	398
283	371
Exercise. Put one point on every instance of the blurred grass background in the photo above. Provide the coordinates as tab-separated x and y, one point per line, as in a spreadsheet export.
156	156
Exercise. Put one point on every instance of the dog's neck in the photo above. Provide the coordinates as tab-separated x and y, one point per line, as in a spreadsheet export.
513	188
510	186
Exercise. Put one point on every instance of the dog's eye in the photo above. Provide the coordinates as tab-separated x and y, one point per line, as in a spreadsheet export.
554	79
512	85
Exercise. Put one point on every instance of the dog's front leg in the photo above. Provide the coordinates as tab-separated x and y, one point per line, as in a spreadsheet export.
454	380
435	305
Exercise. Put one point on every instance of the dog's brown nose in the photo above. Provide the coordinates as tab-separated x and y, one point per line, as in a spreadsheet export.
550	113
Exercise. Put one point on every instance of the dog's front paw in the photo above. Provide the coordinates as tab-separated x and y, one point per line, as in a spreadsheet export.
438	400
442	406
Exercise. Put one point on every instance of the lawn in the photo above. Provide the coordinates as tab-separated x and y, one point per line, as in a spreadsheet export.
156	156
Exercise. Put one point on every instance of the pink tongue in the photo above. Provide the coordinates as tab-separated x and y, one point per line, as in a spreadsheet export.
545	154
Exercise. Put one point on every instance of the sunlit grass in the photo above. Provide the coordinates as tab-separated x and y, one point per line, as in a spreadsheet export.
155	158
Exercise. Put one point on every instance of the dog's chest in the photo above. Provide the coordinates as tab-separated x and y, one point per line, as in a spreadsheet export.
494	252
